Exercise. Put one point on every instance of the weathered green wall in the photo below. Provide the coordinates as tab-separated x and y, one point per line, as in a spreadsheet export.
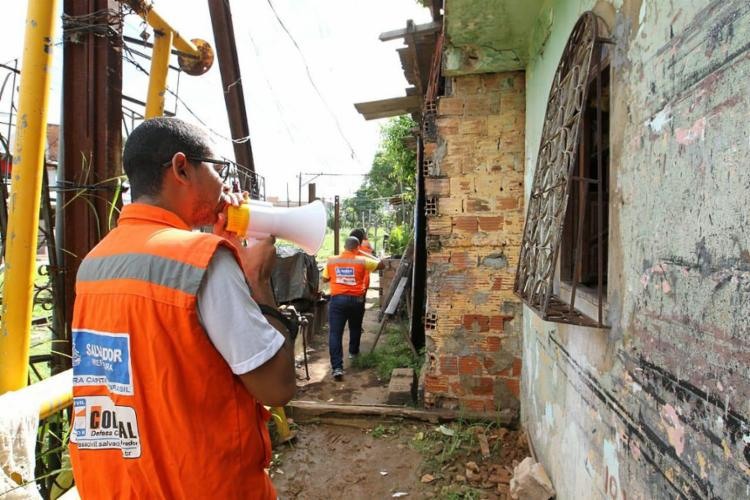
659	405
488	36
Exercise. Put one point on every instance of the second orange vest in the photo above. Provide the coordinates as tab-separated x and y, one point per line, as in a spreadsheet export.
347	274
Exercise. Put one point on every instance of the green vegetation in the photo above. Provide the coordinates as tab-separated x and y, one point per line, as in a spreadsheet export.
392	352
398	240
381	430
392	178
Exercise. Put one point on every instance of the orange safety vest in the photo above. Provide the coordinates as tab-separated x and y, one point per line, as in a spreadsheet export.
347	273
157	411
365	247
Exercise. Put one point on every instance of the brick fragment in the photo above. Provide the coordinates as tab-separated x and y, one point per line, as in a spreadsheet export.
469	365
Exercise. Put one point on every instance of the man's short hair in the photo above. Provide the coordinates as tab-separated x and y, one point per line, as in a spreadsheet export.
359	233
351	243
153	143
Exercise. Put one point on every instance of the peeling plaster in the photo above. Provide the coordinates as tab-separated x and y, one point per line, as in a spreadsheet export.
690	135
675	428
660	120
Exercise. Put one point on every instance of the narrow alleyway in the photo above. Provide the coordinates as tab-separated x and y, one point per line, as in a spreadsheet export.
366	457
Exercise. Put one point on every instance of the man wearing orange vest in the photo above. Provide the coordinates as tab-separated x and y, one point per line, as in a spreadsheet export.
366	250
346	272
173	354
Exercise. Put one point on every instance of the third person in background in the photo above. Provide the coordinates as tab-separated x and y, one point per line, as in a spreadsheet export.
346	273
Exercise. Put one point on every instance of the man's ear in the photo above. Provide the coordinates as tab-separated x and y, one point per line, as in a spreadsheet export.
180	168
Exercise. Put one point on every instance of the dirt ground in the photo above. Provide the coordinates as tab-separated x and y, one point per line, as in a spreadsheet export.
361	458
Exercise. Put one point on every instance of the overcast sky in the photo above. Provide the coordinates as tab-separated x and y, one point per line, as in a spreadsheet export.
294	127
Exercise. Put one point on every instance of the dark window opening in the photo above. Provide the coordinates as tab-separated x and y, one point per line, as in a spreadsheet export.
587	214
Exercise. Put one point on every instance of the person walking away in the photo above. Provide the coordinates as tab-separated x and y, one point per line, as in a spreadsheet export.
346	273
176	336
366	250
364	243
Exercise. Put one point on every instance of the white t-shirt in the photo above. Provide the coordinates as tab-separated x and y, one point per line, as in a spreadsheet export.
233	320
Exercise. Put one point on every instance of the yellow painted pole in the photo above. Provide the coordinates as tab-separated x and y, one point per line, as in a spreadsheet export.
26	184
158	23
282	424
157	82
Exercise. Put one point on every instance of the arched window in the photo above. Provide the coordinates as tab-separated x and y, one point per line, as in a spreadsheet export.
567	213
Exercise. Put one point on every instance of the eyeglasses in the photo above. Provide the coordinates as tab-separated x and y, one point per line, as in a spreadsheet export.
222	167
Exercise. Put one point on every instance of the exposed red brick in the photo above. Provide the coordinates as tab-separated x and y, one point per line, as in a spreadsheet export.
482	386
457	389
470	320
496	322
469	224
491	344
514	386
478	405
490	223
461	260
468	365
434	383
449	365
517	367
497	283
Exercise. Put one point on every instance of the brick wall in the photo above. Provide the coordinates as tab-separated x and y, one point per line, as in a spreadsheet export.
474	190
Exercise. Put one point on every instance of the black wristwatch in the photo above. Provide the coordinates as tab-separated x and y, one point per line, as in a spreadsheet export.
276	314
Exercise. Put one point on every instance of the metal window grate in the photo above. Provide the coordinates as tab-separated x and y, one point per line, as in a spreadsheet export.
557	156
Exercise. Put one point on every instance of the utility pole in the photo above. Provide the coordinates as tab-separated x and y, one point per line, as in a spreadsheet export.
311	192
91	153
231	81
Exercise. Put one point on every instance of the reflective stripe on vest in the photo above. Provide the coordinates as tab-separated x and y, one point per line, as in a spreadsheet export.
148	384
145	267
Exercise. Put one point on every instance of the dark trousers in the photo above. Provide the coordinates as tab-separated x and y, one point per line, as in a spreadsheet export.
343	308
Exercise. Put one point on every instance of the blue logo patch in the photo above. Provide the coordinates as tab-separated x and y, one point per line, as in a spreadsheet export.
101	358
345	276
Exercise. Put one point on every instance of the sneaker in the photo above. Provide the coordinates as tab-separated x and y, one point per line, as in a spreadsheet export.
353	356
338	373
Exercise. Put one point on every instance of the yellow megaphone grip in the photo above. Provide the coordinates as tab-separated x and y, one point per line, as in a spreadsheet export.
238	219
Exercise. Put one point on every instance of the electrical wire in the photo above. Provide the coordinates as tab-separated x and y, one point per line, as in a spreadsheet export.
353	154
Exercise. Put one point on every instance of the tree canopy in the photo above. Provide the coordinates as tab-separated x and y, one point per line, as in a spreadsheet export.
393	174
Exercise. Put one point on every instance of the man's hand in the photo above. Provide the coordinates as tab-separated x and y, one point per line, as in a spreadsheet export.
257	261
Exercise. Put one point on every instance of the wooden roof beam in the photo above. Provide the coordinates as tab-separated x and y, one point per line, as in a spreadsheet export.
413	29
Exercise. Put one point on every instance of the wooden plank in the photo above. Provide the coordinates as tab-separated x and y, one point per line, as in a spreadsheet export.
302	411
419	29
393	304
385	108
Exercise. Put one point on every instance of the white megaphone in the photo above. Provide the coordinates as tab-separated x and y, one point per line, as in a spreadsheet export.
305	226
